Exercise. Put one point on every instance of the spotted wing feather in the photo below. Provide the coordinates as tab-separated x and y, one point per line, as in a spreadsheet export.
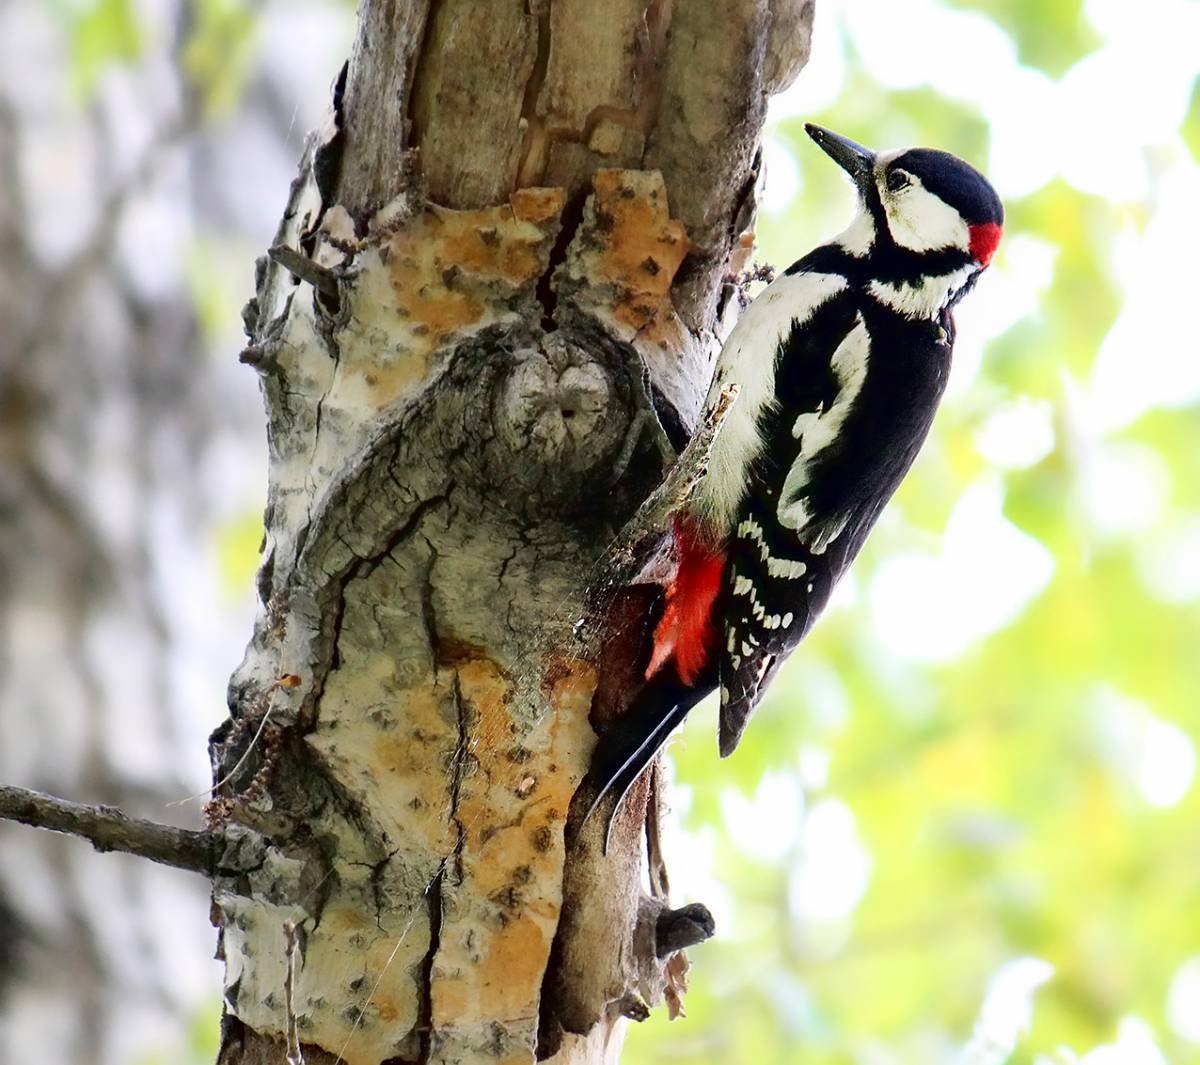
775	588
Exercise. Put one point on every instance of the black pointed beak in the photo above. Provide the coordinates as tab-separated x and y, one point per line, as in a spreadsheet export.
857	161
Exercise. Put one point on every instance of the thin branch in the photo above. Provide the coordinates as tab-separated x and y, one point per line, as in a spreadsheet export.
320	277
110	830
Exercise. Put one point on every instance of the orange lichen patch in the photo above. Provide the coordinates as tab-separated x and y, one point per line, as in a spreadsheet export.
387	1010
495	945
386	967
502	982
407	766
629	240
422	727
509	243
437	276
386	380
431	308
513	965
485	690
522	780
450	996
538	205
546	786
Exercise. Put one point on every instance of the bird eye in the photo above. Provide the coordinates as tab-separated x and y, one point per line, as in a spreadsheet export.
897	180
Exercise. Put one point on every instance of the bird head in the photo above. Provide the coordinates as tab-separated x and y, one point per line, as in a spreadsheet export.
917	202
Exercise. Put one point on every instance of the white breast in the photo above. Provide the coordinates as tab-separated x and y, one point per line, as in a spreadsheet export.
748	359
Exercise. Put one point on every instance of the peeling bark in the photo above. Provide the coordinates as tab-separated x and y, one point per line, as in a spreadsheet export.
506	264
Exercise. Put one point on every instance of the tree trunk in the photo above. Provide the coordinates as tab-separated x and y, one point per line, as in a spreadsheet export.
510	253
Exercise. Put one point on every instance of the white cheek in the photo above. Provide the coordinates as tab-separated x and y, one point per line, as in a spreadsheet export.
920	221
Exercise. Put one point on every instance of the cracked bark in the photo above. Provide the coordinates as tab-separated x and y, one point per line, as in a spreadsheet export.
506	258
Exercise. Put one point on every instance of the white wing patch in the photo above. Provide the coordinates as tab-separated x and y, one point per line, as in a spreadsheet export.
748	358
818	429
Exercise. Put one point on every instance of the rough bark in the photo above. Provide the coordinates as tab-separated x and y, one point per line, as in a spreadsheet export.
505	261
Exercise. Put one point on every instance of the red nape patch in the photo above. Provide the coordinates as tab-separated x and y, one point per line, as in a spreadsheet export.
686	630
984	238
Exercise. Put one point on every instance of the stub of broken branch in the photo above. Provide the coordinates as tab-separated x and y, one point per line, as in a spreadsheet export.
108	829
676	489
320	277
679	929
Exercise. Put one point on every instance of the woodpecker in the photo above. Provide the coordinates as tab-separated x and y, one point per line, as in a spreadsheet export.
840	363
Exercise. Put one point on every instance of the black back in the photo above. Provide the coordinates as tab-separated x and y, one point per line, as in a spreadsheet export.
849	482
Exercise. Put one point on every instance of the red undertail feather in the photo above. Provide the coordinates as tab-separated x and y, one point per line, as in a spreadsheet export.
984	238
686	632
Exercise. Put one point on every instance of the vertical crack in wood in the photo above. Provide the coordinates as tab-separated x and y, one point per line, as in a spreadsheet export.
532	165
546	289
417	80
333	616
458	770
428	614
434	908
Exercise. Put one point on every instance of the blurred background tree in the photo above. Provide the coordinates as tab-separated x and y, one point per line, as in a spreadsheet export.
964	828
145	149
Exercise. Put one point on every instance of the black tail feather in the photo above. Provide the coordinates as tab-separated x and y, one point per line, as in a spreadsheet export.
631	744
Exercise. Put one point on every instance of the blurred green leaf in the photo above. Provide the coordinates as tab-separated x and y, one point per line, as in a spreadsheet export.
1191	124
219	47
1051	35
198	1045
103	32
238	543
